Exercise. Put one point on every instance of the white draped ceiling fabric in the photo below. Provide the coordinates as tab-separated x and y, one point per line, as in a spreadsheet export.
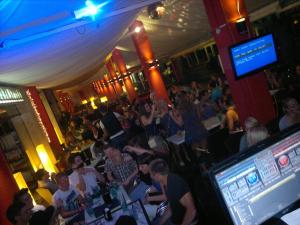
42	44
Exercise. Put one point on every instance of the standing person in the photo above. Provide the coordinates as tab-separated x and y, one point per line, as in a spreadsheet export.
195	133
148	118
38	212
182	209
112	128
18	213
44	181
292	113
171	120
68	201
216	92
24	197
84	178
232	120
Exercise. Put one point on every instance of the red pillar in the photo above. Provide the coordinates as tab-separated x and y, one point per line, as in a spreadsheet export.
120	62
250	94
44	120
113	75
110	89
105	89
8	188
146	55
101	91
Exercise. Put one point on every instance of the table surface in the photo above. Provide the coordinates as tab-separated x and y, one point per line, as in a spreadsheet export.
177	139
212	122
99	202
140	216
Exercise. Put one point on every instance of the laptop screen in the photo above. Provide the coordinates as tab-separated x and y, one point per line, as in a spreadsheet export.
256	187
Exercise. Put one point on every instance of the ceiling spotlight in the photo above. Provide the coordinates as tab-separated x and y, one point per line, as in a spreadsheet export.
137	30
89	10
156	10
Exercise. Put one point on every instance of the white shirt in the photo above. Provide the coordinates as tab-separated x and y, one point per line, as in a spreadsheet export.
69	199
89	178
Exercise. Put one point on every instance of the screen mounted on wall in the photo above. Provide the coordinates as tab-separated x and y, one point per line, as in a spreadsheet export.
253	55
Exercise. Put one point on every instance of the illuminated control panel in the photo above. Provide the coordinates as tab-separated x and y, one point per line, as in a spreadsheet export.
260	186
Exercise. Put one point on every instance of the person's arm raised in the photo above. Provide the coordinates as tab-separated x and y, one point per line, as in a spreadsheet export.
146	121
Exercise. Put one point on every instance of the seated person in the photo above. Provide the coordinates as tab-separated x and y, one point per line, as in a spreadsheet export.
68	201
181	208
256	134
38	212
292	113
155	193
249	123
44	181
24	197
121	168
84	178
18	213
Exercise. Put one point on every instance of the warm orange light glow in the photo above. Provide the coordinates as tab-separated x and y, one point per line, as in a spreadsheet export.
240	20
44	157
157	84
145	49
146	55
84	101
120	62
118	88
22	183
234	9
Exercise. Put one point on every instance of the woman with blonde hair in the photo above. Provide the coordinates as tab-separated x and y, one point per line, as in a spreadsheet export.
248	124
256	134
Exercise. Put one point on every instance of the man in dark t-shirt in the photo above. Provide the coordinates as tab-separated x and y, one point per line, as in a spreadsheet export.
181	210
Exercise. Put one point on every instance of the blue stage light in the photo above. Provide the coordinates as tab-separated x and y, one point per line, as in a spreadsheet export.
90	10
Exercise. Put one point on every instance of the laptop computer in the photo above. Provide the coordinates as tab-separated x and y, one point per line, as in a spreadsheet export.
263	182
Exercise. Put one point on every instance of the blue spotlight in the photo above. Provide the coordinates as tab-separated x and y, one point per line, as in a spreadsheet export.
90	10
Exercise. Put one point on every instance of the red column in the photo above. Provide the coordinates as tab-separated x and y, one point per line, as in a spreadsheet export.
113	75
146	55
120	62
98	84
250	94
110	88
44	120
66	101
103	89
8	188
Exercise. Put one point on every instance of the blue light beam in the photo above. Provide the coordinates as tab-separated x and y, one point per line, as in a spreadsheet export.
90	10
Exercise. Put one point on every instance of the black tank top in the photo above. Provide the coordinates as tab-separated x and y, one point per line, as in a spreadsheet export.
111	123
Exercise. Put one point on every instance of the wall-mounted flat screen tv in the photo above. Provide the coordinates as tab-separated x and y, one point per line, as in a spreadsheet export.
253	55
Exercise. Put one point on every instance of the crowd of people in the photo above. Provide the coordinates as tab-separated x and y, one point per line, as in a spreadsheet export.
132	139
